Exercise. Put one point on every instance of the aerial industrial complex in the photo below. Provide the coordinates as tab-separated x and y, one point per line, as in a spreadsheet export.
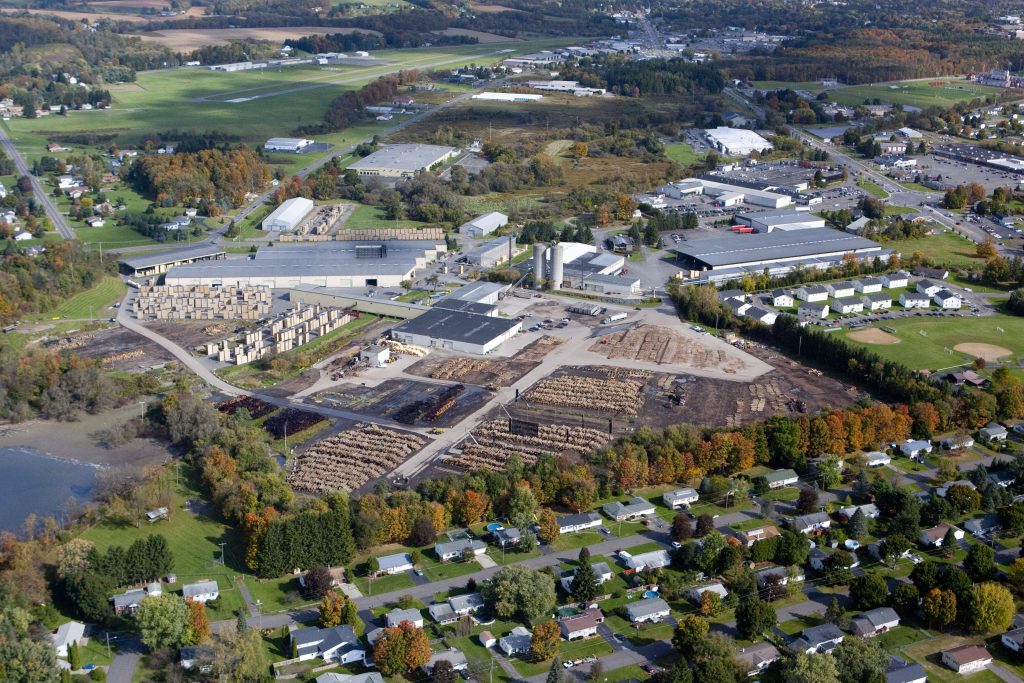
402	161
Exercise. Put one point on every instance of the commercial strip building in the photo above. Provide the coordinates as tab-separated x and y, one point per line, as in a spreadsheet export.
325	264
155	264
730	257
507	97
982	157
737	142
402	161
289	215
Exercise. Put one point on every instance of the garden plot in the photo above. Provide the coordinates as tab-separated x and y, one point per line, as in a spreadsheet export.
491	445
619	391
351	458
408	401
663	346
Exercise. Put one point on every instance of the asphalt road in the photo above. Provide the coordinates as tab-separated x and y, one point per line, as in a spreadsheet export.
41	196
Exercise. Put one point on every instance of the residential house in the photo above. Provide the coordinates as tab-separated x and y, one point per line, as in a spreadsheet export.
397	616
129	601
201	591
841	289
928	288
818	639
647	610
337	575
95	221
762	315
901	671
781	478
571	524
846	306
751	536
897	280
456	550
762	575
454	607
782	299
1002	478
487	639
634	508
336	644
334	677
992	432
941	491
966	659
602	573
812	293
816	521
758	657
868	285
1013	640
915	448
877	459
986	524
869	510
909	300
22	236
817	557
933	537
582	625
202	656
508	536
395	564
813	310
728	294
876	302
739	308
454	657
717	588
956	442
947	300
875	621
680	498
656	559
517	642
68	633
875	551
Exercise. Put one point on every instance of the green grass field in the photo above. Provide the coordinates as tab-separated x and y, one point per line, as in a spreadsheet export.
682	154
873	189
947	248
89	304
919	351
365	217
810	86
918	93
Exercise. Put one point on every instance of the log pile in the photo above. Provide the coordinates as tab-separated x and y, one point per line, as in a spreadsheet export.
492	445
351	458
605	395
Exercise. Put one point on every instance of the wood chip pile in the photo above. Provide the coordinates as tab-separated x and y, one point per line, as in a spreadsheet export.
351	458
606	395
494	445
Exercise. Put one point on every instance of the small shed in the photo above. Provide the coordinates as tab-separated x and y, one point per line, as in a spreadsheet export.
376	355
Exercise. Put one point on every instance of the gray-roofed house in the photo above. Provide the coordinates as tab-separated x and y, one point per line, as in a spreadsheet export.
877	459
717	588
841	289
201	591
1002	478
680	498
868	285
570	524
631	509
338	643
895	280
757	657
454	550
816	521
655	559
876	302
68	633
762	315
454	607
911	300
1013	640
781	478
454	657
986	524
647	610
602	573
902	671
782	299
395	564
517	642
875	621
817	311
397	616
914	448
762	575
812	293
992	432
335	677
947	300
869	510
507	536
818	639
928	288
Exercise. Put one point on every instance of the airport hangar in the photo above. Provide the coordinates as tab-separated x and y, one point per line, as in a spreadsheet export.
719	259
326	264
402	161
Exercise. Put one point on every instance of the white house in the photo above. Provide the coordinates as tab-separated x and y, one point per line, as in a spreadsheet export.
454	607
22	236
875	621
877	459
71	632
656	559
869	510
992	432
335	644
846	306
782	299
395	564
570	524
454	657
909	300
647	610
816	521
781	478
761	315
397	616
813	310
583	625
915	448
1013	639
876	302
840	289
634	508
757	657
201	591
966	659
680	498
517	642
717	588
812	293
602	573
946	300
927	287
895	280
933	537
868	285
455	550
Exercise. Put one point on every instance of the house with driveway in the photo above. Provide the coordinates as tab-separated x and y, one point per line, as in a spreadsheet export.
397	616
651	610
634	508
454	607
818	639
875	621
571	524
934	537
456	550
902	671
517	642
966	659
656	559
582	625
808	524
757	657
395	564
336	644
780	479
680	498
915	448
602	572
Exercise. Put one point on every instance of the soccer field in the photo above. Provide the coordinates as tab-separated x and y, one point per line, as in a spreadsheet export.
932	92
936	347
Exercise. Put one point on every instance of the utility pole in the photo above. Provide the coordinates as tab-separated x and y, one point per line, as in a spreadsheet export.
222	544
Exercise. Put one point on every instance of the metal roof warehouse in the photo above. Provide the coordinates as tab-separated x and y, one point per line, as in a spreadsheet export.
457	330
153	264
402	161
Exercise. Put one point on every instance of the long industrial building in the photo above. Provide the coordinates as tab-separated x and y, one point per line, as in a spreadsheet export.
402	161
724	258
725	194
788	220
737	141
325	264
289	215
455	330
154	264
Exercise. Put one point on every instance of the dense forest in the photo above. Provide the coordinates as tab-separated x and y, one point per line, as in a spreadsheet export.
41	283
207	176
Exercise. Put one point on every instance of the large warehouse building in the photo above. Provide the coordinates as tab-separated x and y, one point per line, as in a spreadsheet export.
492	253
724	193
325	264
737	142
725	258
402	161
457	331
788	220
286	144
289	215
154	264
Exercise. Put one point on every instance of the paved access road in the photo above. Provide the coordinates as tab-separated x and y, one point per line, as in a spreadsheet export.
41	196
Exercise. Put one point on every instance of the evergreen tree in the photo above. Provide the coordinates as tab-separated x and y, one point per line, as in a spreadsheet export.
949	542
555	672
858	526
584	586
74	656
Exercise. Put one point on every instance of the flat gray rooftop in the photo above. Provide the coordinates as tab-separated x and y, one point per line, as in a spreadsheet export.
760	247
409	158
457	326
171	256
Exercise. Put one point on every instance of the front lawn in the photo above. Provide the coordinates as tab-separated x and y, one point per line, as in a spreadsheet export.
383	584
450	570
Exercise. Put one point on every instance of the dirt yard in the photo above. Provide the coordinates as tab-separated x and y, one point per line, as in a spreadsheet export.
986	351
485	372
410	402
122	349
186	40
192	334
662	346
872	335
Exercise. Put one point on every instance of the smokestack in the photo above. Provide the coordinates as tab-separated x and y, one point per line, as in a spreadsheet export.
557	261
538	265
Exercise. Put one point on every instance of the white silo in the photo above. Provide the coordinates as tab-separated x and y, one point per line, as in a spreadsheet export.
538	265
557	263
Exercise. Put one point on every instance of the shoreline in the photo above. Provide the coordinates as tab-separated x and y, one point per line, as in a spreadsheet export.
72	441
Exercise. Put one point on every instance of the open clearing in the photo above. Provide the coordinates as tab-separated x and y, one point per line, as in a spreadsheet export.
479	35
186	40
986	351
947	248
79	16
935	343
941	92
485	8
873	335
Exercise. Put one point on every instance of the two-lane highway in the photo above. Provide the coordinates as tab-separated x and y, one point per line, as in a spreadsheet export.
41	196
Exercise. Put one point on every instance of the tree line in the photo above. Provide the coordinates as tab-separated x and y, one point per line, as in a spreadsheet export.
209	175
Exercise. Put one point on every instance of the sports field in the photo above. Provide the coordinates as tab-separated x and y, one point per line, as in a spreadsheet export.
937	347
932	92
